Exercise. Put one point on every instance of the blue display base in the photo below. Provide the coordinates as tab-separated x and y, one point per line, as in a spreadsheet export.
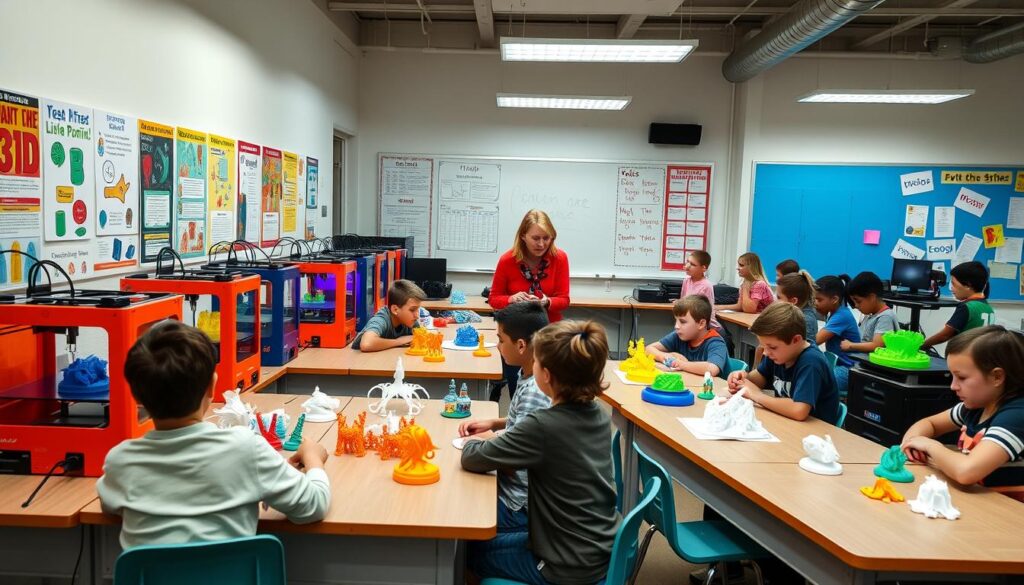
455	414
653	396
99	390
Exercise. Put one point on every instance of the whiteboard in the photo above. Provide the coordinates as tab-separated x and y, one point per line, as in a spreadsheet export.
468	209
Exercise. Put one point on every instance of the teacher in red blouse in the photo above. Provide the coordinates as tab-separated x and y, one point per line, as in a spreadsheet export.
533	270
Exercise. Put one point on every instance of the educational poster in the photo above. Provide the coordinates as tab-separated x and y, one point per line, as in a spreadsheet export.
190	193
156	164
68	193
21	183
686	213
468	194
640	200
406	186
75	258
271	197
14	267
916	222
249	211
117	172
312	182
290	199
221	189
114	252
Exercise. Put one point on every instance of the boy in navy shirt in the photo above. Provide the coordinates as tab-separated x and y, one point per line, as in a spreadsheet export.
693	346
798	373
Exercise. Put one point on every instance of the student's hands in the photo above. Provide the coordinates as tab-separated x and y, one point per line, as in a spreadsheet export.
676	362
403	341
309	455
475	427
917	448
845	345
737	381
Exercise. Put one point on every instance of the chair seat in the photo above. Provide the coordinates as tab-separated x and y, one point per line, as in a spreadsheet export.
499	581
712	541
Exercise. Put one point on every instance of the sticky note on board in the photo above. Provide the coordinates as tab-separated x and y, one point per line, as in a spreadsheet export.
1019	185
992	235
872	237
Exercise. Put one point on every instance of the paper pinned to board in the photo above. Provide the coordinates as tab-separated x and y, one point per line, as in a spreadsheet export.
916	223
1010	251
1015	215
968	248
971	202
914	183
945	221
993	235
1002	270
906	250
941	249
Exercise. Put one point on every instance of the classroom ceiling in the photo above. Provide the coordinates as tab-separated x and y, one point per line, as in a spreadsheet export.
939	27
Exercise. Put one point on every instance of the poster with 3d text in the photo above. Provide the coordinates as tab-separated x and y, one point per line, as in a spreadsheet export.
249	212
190	193
156	178
117	184
21	185
271	197
221	189
68	188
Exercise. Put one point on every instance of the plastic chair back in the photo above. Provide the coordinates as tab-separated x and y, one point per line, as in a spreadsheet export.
625	551
842	415
832	358
256	560
733	365
617	467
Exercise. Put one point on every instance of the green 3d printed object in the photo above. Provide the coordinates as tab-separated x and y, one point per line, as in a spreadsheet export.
892	466
902	350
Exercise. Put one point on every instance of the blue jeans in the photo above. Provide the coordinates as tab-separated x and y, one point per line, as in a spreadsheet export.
842	374
505	556
509	521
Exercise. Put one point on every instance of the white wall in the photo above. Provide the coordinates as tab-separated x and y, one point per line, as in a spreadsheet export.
273	72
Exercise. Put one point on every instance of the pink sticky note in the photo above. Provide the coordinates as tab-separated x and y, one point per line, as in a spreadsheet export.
872	236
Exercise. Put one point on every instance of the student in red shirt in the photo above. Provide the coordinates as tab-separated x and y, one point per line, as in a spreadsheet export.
533	270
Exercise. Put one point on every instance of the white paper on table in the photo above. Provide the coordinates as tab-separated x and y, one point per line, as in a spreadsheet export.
696	427
1015	216
968	248
1002	270
1010	251
971	202
624	380
941	249
916	223
945	222
904	249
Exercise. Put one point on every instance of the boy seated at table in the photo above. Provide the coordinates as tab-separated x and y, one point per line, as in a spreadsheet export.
516	325
189	480
392	325
795	369
692	346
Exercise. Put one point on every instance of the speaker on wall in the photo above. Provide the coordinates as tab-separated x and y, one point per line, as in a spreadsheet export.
685	134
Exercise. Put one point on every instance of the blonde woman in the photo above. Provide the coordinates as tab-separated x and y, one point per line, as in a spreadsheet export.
533	270
755	294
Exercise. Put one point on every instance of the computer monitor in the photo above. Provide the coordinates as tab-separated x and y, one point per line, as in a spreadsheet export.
912	274
420	270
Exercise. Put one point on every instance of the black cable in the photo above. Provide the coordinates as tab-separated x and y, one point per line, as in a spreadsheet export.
60	464
33	275
78	561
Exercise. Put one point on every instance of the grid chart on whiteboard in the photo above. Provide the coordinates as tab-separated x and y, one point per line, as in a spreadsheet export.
686	214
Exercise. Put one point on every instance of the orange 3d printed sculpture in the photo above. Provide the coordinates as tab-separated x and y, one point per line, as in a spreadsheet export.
416	449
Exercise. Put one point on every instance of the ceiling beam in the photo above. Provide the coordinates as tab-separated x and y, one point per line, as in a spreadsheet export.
485	22
908	24
628	25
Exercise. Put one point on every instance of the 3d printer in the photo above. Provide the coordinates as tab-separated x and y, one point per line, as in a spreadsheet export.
230	322
365	280
327	301
40	426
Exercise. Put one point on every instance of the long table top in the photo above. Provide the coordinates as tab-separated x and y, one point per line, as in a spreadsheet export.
744	320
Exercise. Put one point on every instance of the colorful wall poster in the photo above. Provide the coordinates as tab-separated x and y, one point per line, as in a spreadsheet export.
289	203
271	198
249	211
310	223
221	189
190	193
68	195
156	164
115	252
21	182
117	172
75	258
312	182
14	267
686	213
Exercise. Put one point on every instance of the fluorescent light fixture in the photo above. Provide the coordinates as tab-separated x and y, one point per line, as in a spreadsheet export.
565	102
884	96
595	50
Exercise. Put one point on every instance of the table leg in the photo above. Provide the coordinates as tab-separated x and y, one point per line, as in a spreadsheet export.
630	465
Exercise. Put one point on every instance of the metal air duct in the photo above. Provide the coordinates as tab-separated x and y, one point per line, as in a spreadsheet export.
998	45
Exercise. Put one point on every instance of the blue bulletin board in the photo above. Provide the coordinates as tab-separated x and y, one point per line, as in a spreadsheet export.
818	215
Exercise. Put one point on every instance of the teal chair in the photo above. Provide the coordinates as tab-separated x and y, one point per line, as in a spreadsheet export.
832	358
711	542
733	365
617	467
842	415
627	552
256	560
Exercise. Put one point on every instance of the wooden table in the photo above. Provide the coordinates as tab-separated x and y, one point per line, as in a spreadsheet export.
377	531
821	525
473	303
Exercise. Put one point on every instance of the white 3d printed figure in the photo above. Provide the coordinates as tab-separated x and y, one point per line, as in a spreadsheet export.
822	457
234	413
321	407
933	500
733	418
410	393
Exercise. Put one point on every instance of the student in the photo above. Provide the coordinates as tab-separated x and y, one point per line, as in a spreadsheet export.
969	283
865	290
565	451
697	264
517	324
830	300
987	364
795	369
188	480
755	294
392	325
787	266
798	289
692	347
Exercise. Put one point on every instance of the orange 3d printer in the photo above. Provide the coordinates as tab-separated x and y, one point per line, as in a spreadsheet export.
327	298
